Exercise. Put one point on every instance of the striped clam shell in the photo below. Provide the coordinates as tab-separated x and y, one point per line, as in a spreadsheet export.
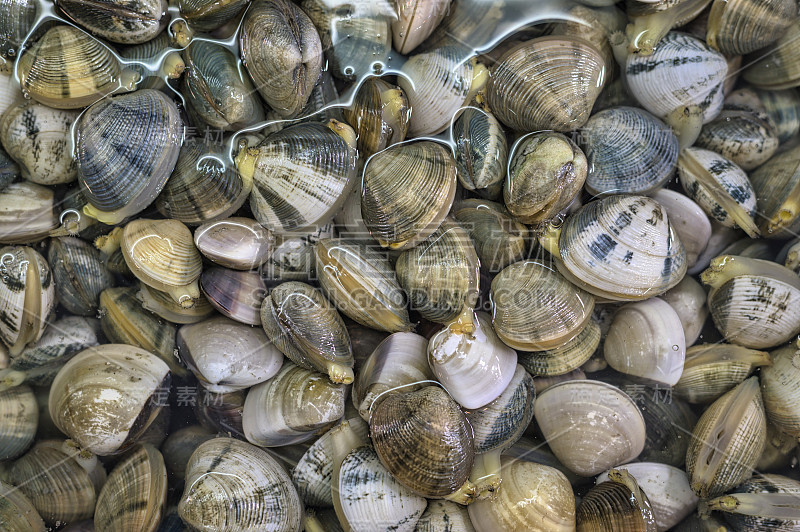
444	516
481	152
301	175
68	69
764	502
16	20
79	274
629	151
162	304
438	83
26	213
217	92
683	72
203	186
122	21
738	27
745	137
127	146
207	15
622	248
37	137
777	66
499	239
777	185
547	83
535	308
379	115
783	107
618	503
710	370
9	170
416	20
222	470
19	414
362	284
779	387
566	358
238	243
406	192
134	498
282	52
235	294
17	512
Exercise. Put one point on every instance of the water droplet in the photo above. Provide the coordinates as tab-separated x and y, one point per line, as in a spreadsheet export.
675	347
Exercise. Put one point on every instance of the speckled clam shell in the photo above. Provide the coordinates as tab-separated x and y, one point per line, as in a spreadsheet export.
727	441
203	186
224	469
161	254
308	329
424	440
226	355
547	83
68	69
498	238
747	138
121	21
127	146
534	308
629	151
616	504
79	274
406	192
235	294
207	15
16	20
622	248
9	169
590	425
379	115
764	502
27	296
688	220
566	358
282	52
777	184
301	176
37	138
162	304
416	20
216	91
533	497
19	414
362	284
17	512
783	108
237	243
779	387
481	151
442	516
438	83
291	407
26	213
97	383
711	370
777	66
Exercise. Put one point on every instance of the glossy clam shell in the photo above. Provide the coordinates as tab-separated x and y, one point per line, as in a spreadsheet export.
416	20
68	69
441	516
17	512
406	192
207	15
498	238
282	53
79	274
628	150
127	146
379	115
743	26
149	53
16	20
293	256
590	425
19	414
223	469
221	412
237	243
562	75
481	151
762	503
776	184
747	138
783	108
713	369
534	308
566	358
779	388
26	213
616	505
689	221
121	21
777	67
97	383
162	304
424	440
236	294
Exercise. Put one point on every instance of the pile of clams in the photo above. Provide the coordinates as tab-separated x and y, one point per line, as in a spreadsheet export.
400	265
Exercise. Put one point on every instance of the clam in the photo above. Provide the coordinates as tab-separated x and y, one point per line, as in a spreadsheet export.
161	254
207	15
17	512
438	83
157	51
292	257
441	516
783	108
379	116
127	22
79	274
566	358
711	370
115	388
779	388
426	443
650	20
474	367
616	504
765	502
628	151
17	19
217	92
27	296
301	175
308	329
689	220
535	309
282	52
546	171
291	407
126	148
499	239
37	138
776	184
179	446
481	151
26	213
533	497
721	237
753	301
727	441
68	69
777	66
236	294
162	304
237	243
226	355
407	191
416	20
688	300
547	83
20	417
590	425
221	412
362	284
9	170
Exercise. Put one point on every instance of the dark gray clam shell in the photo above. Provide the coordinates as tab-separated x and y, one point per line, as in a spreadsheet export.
79	274
127	148
9	170
236	294
122	21
207	15
481	152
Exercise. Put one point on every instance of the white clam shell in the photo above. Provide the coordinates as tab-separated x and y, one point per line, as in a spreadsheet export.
238	243
688	300
688	220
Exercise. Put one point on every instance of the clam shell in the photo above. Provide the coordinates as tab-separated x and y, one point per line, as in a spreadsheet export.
777	66
688	300
379	115
498	238
444	516
416	20
765	502
566	358
406	192
546	83
238	243
17	512
26	213
590	425
776	184
293	256
97	383
126	148
224	470
744	26
9	170
162	304
617	504
481	151
236	294
689	221
79	274
121	21
19	414
207	15
779	388
711	370
778	452
783	108
16	20
149	53
179	446
747	138
221	412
